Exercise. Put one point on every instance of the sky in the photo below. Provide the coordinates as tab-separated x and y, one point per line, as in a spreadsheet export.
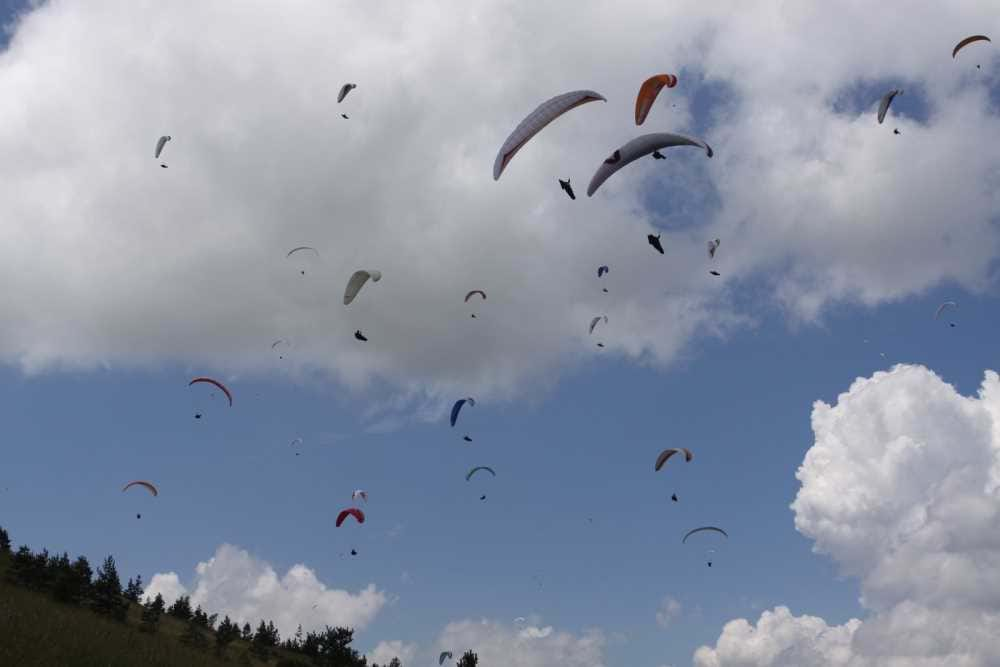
846	439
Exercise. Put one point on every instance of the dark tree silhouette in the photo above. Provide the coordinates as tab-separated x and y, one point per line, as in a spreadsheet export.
181	608
151	612
225	634
469	659
4	542
133	591
107	591
247	633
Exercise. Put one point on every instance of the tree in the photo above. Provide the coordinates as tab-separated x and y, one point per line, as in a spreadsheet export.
225	634
395	662
247	633
4	542
151	612
70	582
181	608
194	635
264	640
469	659
159	603
133	591
107	591
331	648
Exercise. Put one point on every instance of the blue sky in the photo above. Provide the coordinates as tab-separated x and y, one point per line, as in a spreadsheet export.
576	531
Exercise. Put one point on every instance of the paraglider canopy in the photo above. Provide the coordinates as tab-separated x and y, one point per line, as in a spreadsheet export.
883	105
359	493
160	143
943	306
445	655
455	409
357	281
475	291
704	529
648	91
215	383
472	472
146	485
667	453
655	242
601	270
346	88
969	40
637	148
350	511
593	322
533	123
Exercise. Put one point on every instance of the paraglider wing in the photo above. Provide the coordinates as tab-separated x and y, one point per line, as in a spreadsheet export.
146	485
655	242
969	40
455	409
475	291
160	143
940	309
357	281
215	383
702	529
713	247
533	123
478	468
667	453
346	88
360	493
445	655
593	322
301	248
350	511
601	270
648	91
883	105
637	148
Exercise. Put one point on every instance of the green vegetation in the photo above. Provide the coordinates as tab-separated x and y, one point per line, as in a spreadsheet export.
56	612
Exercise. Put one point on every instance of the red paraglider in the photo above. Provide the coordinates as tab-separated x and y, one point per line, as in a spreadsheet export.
350	511
215	383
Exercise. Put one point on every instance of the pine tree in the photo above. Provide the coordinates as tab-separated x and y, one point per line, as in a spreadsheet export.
151	612
159	603
133	591
194	635
469	659
4	542
395	662
70	582
225	634
260	646
107	591
247	633
181	608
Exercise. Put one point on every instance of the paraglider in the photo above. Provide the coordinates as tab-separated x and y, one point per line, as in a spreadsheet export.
445	655
567	188
359	493
655	242
216	383
969	40
648	91
884	103
357	281
673	497
455	409
601	270
593	322
350	511
146	485
713	247
160	143
344	116
600	345
360	336
667	453
354	552
533	123
896	131
466	438
306	249
280	344
296	442
472	472
637	148
715	273
346	88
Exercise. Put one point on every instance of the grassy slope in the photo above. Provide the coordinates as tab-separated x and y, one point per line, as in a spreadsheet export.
37	630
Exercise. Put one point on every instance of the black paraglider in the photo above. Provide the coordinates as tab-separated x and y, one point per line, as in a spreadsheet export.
344	116
567	188
482	497
163	166
655	242
466	438
354	552
896	131
138	516
197	415
360	336
673	497
600	345
715	273
657	155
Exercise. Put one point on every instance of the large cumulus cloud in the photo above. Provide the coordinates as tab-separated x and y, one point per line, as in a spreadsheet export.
120	263
235	583
901	490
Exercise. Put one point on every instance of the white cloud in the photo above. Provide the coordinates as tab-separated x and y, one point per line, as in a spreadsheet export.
901	490
669	610
385	651
235	583
138	265
499	644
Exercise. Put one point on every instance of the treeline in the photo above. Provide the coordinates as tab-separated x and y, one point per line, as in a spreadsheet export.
75	583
